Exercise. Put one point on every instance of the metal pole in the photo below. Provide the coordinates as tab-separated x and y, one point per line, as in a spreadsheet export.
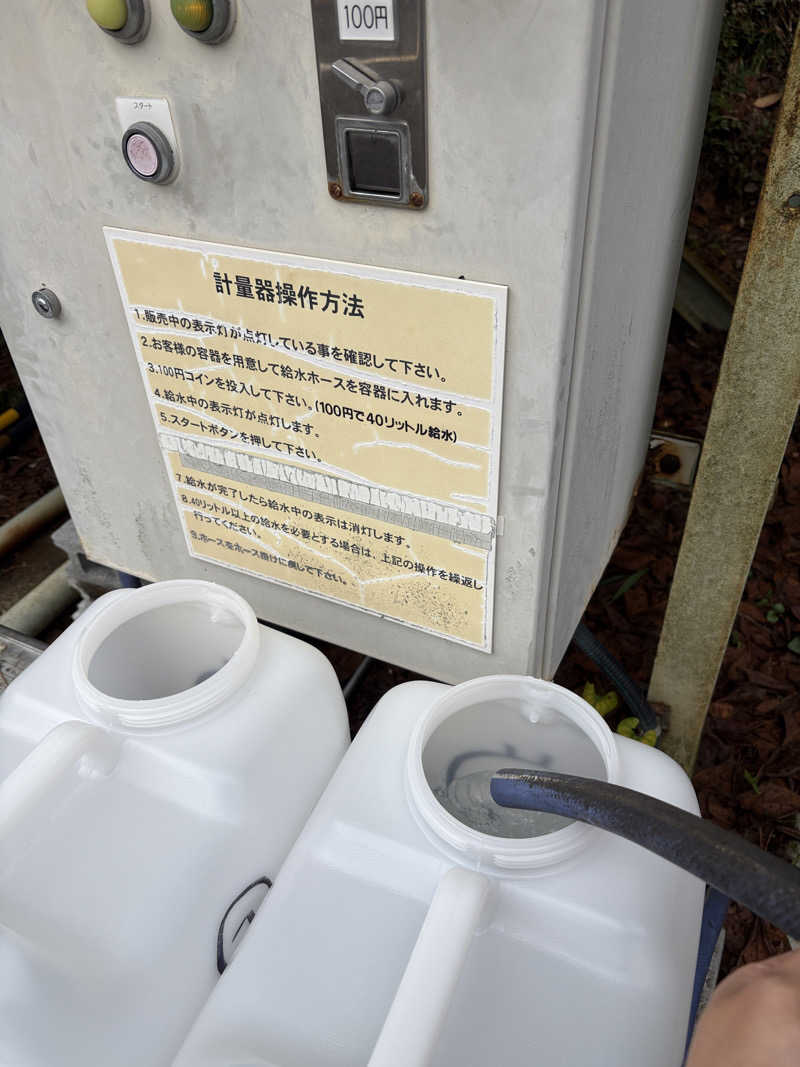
29	521
43	604
754	407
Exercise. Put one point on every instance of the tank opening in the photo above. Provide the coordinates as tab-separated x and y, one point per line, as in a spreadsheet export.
165	651
470	746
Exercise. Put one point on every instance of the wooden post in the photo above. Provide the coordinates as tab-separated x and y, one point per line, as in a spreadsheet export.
752	415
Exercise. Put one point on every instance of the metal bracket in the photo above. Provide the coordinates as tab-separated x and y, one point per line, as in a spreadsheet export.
673	460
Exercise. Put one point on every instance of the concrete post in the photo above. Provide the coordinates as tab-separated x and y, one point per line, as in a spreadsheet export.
752	415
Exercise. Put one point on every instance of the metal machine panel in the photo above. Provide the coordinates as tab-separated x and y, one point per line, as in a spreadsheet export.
561	143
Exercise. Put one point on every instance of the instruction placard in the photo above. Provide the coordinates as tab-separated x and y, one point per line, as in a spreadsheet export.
329	426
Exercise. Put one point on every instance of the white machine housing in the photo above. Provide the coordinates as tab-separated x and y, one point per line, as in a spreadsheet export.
562	140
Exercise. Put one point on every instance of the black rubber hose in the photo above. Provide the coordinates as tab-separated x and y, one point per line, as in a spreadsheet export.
632	696
766	885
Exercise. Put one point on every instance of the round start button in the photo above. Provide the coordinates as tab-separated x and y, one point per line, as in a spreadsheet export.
142	155
148	153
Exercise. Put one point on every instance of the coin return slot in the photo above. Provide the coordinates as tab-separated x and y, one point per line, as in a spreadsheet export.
373	162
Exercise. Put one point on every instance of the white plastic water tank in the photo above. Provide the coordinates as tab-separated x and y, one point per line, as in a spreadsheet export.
398	935
149	773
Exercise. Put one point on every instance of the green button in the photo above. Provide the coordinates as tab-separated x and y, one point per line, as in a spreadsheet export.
194	15
108	14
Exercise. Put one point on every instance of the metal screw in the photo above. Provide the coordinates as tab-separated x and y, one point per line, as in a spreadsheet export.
46	303
335	190
794	200
416	200
669	463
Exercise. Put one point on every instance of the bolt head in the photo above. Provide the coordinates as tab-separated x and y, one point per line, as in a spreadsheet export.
375	100
46	303
380	98
669	463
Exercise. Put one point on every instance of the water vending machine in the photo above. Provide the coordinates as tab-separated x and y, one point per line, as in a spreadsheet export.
355	308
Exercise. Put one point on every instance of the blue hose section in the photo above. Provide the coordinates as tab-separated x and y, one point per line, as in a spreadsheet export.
714	912
632	696
128	581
